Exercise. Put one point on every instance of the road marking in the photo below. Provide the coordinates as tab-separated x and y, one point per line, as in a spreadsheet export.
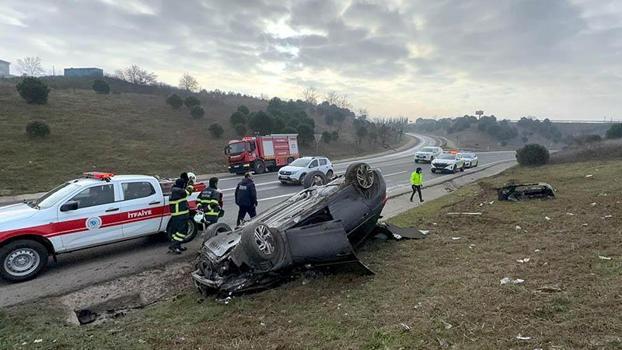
275	197
399	172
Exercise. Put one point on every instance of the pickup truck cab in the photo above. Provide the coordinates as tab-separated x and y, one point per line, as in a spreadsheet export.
98	209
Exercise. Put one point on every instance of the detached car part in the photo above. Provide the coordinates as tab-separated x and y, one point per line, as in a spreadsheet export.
518	192
318	226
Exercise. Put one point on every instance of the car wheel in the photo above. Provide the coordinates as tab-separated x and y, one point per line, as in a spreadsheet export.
302	177
476	164
433	170
22	260
462	169
329	175
314	178
361	175
259	167
416	160
262	245
193	229
214	230
455	169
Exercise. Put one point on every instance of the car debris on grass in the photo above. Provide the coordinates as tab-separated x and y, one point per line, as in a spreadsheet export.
518	192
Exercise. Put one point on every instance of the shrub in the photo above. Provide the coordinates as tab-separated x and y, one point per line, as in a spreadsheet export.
238	118
532	155
615	131
174	101
335	135
191	101
101	87
261	122
305	134
240	129
197	112
243	109
37	129
327	136
33	90
216	130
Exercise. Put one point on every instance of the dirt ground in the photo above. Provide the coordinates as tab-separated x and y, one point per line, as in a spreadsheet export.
442	292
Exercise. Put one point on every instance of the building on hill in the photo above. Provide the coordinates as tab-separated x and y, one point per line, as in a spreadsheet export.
84	72
4	68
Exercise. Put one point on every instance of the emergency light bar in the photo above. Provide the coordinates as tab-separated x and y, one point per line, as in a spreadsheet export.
98	175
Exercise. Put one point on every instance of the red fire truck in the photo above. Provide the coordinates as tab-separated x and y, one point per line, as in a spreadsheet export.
261	153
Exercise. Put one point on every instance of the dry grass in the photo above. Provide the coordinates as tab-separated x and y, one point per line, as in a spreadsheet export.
125	132
446	291
604	150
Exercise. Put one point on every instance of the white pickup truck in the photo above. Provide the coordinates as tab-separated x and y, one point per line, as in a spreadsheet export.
97	209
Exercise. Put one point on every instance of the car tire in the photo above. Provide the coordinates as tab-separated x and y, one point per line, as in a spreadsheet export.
263	246
22	260
476	164
193	230
301	179
416	160
454	170
329	175
361	175
314	178
462	169
214	230
433	170
259	167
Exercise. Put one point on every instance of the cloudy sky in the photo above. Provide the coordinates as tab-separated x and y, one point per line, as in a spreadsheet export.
560	59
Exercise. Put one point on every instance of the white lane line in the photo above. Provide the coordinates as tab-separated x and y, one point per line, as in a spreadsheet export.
392	174
256	185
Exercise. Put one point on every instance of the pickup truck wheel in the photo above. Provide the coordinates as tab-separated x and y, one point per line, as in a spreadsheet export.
259	167
193	229
22	260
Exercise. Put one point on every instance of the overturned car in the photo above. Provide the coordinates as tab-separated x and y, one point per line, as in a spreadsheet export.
318	226
518	192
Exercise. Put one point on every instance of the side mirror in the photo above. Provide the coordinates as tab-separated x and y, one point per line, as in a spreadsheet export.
69	206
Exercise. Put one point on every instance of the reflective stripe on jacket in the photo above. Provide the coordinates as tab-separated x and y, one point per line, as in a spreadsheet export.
178	201
211	200
416	178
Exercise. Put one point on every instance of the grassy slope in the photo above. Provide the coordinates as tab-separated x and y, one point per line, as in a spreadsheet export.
125	132
447	291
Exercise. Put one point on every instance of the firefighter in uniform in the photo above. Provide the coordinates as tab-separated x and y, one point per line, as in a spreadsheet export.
210	201
180	213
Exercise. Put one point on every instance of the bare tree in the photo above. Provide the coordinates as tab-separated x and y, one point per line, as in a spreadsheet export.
136	75
30	66
188	82
342	101
310	95
332	97
363	113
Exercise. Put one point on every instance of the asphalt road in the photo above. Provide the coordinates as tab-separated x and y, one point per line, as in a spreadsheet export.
75	270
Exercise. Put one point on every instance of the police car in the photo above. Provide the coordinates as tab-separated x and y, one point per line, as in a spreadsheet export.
97	209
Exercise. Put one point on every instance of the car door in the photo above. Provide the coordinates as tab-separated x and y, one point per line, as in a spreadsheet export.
314	165
141	208
324	165
94	219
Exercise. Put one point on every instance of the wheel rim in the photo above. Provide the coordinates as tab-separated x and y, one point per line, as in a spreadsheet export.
191	228
317	180
22	262
264	239
364	176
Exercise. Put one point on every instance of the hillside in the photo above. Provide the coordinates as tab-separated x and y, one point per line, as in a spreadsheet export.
131	130
487	133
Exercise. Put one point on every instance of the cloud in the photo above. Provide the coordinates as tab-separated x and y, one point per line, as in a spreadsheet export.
561	58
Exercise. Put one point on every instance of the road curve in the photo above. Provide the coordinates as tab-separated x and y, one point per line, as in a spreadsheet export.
79	269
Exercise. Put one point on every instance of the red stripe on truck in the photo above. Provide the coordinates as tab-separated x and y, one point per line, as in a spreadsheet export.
78	225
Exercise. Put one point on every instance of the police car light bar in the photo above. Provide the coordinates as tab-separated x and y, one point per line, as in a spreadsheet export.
98	175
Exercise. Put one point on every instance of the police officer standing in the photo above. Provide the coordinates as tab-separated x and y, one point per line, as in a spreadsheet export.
416	181
246	198
210	201
180	213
